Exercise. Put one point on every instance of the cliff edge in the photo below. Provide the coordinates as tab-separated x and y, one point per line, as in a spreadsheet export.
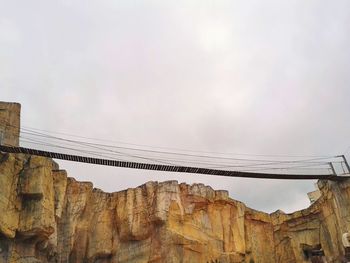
46	216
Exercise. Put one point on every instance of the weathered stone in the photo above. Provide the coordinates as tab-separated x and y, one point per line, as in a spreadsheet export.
46	216
9	123
10	203
36	190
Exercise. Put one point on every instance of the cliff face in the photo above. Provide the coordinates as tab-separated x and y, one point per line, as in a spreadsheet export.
9	123
46	216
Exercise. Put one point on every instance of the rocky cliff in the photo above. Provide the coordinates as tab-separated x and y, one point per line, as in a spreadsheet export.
46	216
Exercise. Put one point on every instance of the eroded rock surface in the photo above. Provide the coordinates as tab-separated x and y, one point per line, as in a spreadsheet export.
9	123
46	216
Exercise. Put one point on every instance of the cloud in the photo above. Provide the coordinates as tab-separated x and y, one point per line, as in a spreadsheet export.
239	77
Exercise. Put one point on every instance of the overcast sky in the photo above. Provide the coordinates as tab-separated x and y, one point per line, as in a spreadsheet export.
256	77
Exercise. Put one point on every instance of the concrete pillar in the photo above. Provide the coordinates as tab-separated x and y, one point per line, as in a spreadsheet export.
10	117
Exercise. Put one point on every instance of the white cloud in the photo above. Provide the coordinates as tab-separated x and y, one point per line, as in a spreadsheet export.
9	33
244	77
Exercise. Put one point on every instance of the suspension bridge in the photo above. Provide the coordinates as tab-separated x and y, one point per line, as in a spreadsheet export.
133	156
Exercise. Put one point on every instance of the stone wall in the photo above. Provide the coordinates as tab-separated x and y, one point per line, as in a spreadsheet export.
46	216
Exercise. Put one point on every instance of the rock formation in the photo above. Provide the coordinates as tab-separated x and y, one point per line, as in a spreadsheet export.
9	123
46	216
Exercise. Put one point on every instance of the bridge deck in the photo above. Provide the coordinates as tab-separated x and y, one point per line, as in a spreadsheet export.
169	168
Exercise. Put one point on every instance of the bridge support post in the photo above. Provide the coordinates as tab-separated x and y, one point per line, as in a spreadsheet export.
332	167
346	163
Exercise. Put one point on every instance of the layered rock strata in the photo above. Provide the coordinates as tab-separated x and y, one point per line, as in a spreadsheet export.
46	216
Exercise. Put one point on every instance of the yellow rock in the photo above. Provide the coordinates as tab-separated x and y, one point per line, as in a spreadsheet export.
47	217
